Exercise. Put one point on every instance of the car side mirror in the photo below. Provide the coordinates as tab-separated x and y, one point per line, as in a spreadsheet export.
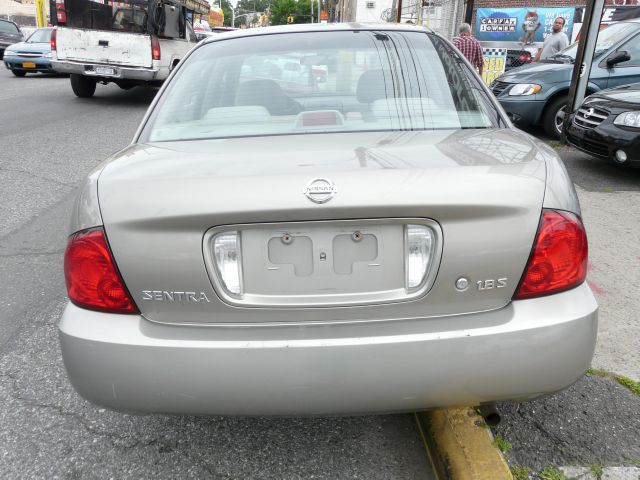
618	57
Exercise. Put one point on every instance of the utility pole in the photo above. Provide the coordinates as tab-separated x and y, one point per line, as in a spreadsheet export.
584	59
399	12
311	2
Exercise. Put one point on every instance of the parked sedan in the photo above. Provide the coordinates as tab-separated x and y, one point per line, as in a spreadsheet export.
31	56
9	34
389	243
607	125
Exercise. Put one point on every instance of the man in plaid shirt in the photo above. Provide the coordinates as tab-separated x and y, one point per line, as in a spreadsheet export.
469	46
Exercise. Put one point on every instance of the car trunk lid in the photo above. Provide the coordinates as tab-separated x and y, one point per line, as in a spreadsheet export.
480	190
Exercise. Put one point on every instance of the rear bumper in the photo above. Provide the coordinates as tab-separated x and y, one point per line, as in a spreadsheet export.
122	73
526	349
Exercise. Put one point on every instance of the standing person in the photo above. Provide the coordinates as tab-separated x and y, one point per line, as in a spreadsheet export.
469	46
554	42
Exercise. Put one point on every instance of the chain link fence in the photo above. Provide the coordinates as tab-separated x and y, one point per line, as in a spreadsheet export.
442	16
518	57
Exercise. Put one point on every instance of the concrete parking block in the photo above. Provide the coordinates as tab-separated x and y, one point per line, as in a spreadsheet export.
460	446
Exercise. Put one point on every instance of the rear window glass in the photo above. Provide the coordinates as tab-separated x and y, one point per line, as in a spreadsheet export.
129	16
337	81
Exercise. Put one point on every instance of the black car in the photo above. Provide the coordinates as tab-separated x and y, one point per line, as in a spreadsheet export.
9	34
607	125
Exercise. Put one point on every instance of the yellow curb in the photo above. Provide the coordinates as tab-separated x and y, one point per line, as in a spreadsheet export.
460	447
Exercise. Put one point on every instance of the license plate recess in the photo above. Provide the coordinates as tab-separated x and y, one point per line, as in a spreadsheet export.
325	262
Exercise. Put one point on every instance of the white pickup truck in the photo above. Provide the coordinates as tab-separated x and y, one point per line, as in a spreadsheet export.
129	43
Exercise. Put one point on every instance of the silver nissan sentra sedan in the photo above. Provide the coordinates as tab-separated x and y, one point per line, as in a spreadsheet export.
326	219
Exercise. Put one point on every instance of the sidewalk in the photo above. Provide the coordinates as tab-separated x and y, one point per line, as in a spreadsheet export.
594	426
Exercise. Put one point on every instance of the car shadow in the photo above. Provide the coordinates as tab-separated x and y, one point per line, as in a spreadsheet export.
115	96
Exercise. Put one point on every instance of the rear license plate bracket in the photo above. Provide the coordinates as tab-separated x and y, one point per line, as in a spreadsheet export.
106	71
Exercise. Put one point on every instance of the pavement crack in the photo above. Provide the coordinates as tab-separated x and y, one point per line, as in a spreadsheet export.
34	175
117	440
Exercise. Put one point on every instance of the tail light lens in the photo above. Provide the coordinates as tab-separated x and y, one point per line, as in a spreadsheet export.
155	48
61	13
92	278
53	40
419	245
228	261
525	58
558	261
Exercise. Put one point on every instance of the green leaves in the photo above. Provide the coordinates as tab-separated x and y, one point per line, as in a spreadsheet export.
281	9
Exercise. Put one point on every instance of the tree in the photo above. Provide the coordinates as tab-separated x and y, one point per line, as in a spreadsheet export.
281	9
245	6
226	9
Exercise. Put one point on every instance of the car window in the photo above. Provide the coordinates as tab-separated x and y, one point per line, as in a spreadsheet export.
130	19
607	38
8	27
120	16
320	82
633	48
191	35
40	36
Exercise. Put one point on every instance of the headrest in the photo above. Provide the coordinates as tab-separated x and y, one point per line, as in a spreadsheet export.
372	86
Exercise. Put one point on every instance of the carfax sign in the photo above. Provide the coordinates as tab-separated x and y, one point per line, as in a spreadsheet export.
524	25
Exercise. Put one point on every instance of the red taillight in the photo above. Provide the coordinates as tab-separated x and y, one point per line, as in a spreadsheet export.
92	278
525	58
53	40
558	261
61	13
155	48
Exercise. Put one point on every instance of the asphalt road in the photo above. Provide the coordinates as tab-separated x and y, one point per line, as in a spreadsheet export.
51	140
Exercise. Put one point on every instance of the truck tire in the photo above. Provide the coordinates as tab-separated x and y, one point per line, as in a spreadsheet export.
551	119
83	87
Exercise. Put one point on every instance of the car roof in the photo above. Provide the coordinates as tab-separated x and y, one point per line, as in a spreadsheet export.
319	27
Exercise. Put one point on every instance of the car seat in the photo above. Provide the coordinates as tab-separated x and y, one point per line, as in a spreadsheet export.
268	94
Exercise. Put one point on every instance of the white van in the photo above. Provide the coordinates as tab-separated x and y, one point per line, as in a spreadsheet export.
129	42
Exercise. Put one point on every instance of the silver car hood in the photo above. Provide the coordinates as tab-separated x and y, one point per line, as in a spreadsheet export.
485	188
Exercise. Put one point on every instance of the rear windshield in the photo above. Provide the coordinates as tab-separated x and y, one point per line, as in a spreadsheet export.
8	27
337	81
130	16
